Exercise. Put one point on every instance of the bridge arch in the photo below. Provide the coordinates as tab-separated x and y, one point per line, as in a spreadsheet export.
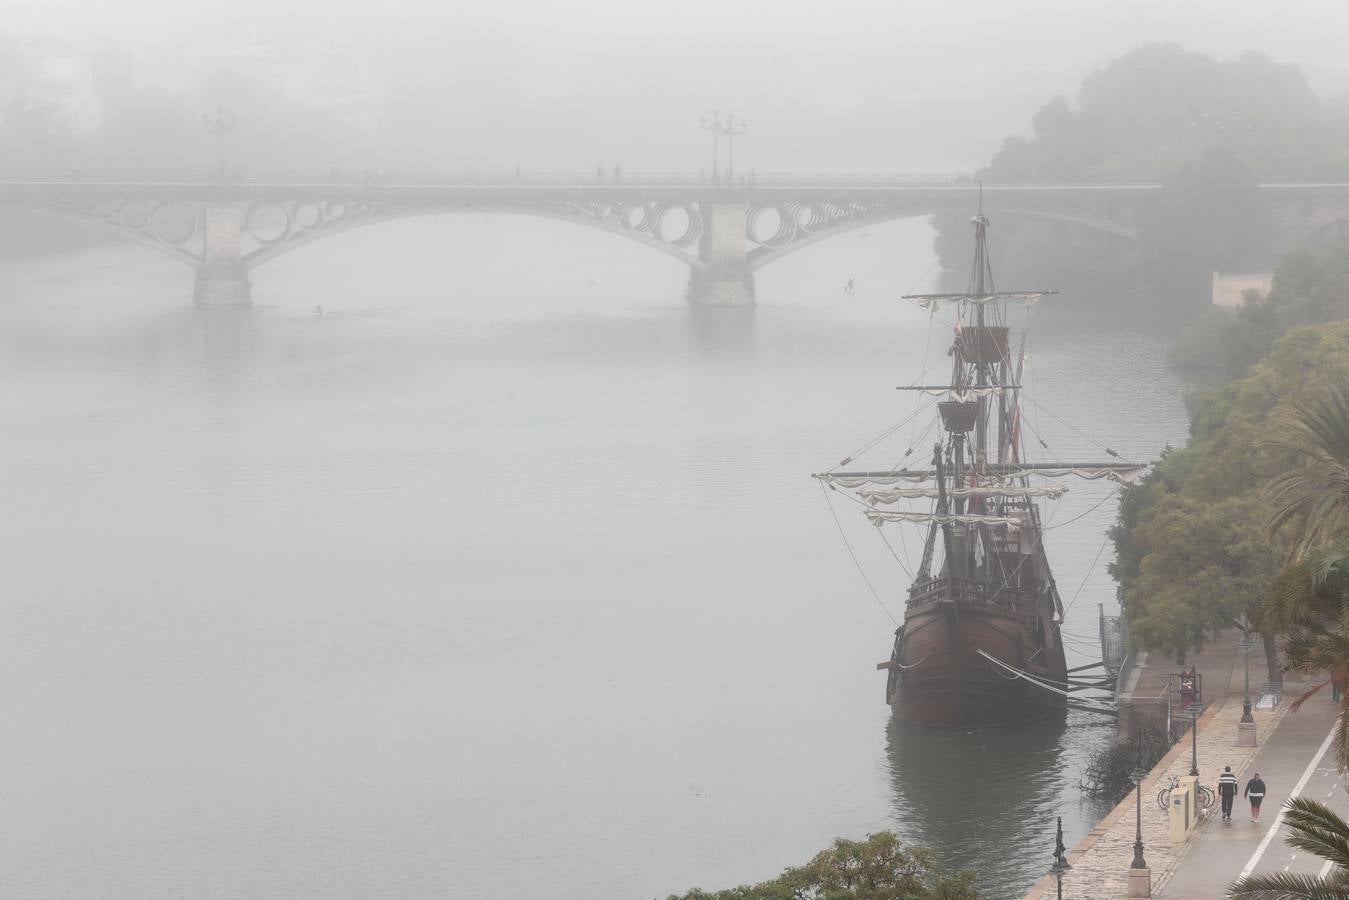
144	236
270	251
764	255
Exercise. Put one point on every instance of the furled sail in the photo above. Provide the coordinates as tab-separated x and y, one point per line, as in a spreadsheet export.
882	516
1124	473
875	496
932	301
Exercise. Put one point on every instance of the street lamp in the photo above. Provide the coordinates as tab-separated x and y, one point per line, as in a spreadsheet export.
1137	777
219	125
714	126
1194	709
1060	861
1247	642
733	129
728	128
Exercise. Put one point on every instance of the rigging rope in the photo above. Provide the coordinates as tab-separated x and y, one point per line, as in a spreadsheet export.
855	561
1088	575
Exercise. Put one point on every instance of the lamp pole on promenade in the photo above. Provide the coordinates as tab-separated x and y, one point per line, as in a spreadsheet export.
1060	860
1194	709
1247	642
1137	777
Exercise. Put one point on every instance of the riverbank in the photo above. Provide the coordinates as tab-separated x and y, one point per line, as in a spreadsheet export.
1100	861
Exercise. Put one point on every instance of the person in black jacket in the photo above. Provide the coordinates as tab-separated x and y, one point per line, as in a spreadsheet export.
1227	791
1255	790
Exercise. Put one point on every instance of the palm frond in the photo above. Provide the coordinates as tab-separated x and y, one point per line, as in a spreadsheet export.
1285	886
1316	828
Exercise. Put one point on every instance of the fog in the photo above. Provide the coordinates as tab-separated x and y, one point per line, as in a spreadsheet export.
475	554
876	86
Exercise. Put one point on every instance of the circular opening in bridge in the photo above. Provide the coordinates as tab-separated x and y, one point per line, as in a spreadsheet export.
337	210
770	226
677	225
267	222
810	218
637	217
174	223
306	215
136	214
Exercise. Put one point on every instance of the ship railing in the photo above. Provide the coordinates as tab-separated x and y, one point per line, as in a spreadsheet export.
961	590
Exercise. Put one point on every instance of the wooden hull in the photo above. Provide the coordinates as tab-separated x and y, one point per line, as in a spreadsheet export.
942	681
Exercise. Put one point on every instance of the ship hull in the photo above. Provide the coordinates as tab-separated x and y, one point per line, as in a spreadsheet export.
941	680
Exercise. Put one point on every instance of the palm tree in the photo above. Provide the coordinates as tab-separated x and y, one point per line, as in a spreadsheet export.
1312	501
1310	599
1309	602
1314	828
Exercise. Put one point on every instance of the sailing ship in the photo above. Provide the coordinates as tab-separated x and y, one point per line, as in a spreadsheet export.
981	642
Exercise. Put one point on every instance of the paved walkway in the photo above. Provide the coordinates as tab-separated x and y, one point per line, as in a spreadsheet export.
1297	758
1101	860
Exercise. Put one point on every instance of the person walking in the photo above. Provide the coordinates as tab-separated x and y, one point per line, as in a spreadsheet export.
1227	791
1255	790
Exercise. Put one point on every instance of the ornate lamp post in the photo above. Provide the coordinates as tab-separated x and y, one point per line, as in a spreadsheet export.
1247	642
730	129
1194	709
713	125
219	125
1060	860
1137	777
733	130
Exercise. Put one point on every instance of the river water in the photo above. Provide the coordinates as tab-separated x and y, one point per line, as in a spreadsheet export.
504	578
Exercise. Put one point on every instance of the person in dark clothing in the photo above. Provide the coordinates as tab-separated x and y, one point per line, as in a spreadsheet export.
1255	790
1227	791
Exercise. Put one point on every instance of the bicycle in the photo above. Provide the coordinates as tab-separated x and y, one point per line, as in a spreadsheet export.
1206	796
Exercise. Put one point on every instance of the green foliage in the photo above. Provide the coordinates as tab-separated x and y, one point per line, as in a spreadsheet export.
1208	130
1312	500
879	868
1310	287
1192	554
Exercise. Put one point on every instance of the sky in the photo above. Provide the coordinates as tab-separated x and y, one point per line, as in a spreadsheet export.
855	84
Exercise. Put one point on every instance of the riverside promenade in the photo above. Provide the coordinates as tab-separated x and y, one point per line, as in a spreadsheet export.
1216	853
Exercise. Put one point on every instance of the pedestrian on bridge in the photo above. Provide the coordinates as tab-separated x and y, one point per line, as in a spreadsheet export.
1227	791
1255	790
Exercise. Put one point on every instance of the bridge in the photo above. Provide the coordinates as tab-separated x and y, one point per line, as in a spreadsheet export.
722	231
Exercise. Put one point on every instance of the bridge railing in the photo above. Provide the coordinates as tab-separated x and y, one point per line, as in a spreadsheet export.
608	179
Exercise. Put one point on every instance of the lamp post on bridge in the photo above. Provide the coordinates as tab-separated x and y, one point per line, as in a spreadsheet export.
730	129
714	126
219	125
733	130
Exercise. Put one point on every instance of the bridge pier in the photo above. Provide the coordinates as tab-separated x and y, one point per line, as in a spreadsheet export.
724	278
222	277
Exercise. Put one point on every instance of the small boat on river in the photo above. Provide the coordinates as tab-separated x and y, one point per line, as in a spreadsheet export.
980	644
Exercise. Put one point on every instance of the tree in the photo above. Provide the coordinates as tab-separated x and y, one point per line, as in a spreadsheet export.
1315	828
879	868
1192	553
1312	501
1310	604
1205	567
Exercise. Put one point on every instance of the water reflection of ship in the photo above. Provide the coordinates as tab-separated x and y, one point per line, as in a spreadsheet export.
987	800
